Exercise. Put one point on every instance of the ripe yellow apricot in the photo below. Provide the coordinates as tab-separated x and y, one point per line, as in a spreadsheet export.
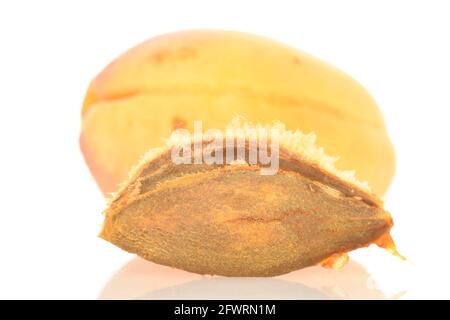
169	81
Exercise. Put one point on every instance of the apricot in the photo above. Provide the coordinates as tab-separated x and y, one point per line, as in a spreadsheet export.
171	80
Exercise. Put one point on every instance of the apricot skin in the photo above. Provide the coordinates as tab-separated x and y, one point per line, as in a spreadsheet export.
171	80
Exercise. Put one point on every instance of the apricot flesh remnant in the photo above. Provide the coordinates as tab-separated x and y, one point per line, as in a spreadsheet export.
228	219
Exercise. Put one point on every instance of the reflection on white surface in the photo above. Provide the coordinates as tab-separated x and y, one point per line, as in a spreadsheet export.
140	279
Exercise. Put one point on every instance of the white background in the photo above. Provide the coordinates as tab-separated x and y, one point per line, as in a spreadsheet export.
50	208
